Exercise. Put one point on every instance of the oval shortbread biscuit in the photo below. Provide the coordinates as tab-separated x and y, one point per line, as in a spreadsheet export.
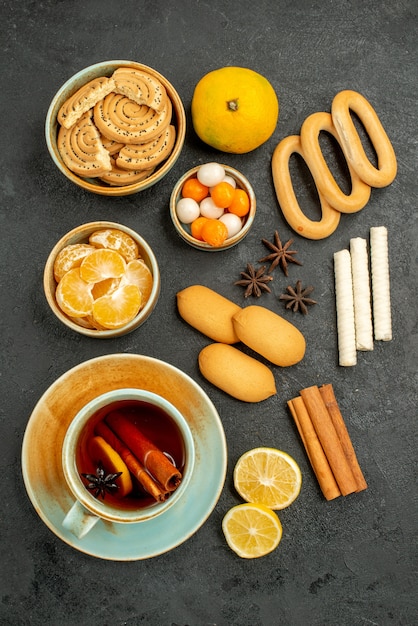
209	312
270	335
236	373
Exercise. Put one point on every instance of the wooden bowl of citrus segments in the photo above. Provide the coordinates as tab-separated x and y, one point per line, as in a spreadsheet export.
153	158
102	280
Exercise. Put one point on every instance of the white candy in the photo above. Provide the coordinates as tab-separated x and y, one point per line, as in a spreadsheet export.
187	210
232	222
209	209
230	180
210	174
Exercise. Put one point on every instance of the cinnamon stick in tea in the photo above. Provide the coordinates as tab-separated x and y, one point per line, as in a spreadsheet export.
329	439
154	461
330	401
135	467
314	449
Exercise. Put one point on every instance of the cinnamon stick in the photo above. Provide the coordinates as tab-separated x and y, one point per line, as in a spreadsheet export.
135	467
330	401
314	449
329	439
154	461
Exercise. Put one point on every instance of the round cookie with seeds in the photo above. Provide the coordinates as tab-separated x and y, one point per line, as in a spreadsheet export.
140	87
121	119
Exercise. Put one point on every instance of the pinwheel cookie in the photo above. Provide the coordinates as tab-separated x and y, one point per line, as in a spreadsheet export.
81	148
121	119
84	99
146	155
119	176
140	87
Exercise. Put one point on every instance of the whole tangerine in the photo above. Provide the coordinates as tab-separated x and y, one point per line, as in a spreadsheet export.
234	109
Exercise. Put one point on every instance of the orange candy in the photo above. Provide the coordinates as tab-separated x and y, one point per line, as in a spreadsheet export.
222	194
194	189
214	232
240	204
196	227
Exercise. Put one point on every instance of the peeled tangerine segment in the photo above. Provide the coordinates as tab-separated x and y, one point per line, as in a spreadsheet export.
118	308
100	451
70	257
101	264
115	239
74	295
138	273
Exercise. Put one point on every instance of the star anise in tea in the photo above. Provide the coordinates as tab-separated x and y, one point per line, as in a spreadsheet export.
280	254
255	281
298	298
101	483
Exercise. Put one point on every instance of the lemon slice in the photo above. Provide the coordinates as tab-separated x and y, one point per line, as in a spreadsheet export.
268	476
252	530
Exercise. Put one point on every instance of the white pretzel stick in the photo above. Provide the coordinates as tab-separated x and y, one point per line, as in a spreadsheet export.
380	283
361	294
345	308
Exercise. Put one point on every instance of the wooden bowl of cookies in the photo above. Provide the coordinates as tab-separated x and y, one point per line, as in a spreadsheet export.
115	128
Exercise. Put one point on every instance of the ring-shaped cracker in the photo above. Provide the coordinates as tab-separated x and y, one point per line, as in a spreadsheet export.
287	199
81	148
119	118
324	180
140	87
150	154
344	102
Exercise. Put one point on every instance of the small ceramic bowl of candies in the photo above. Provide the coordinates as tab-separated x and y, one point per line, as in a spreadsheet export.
212	207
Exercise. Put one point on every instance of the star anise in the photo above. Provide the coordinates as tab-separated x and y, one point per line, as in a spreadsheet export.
280	255
102	483
297	298
255	281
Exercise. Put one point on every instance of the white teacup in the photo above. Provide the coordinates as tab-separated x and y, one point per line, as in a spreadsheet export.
88	509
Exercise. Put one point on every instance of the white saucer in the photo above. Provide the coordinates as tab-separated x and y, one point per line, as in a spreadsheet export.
42	445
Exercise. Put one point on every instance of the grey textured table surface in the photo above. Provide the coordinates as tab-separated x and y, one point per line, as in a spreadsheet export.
349	562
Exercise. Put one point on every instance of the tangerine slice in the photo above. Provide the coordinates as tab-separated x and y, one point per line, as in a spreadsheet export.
138	273
73	294
105	287
101	264
69	257
116	239
118	308
102	452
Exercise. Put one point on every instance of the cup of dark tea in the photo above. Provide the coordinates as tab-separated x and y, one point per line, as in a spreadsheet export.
127	456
